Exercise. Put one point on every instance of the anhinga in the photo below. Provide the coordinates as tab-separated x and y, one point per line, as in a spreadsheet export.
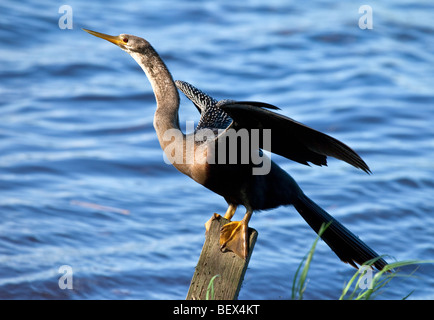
236	181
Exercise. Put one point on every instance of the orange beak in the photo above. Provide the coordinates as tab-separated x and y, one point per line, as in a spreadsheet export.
113	39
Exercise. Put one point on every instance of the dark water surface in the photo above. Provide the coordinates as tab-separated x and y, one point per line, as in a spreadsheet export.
76	129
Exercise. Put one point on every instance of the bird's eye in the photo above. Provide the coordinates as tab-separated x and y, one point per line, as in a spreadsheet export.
125	40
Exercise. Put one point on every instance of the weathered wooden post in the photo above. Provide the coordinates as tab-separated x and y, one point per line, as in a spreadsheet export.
212	261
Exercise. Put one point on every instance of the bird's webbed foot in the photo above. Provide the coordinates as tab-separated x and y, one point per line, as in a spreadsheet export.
234	236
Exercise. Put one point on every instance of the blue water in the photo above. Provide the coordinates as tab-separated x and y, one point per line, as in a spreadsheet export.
82	177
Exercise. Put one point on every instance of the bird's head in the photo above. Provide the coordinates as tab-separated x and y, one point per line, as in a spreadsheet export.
126	42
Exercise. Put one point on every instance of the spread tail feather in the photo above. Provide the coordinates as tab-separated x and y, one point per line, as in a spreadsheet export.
348	247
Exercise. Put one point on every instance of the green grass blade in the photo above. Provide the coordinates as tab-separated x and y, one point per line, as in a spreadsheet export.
210	289
378	281
299	281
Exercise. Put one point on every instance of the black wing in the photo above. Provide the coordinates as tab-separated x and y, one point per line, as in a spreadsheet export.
211	116
289	138
200	99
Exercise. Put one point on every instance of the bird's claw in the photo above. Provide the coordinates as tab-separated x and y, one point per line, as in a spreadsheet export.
234	237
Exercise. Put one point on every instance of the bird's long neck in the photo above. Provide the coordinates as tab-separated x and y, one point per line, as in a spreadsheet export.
166	93
166	120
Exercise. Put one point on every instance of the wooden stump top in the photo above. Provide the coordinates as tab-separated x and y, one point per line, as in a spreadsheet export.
229	267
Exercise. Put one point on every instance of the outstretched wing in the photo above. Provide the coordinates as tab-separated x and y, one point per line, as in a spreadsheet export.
290	138
200	99
211	116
